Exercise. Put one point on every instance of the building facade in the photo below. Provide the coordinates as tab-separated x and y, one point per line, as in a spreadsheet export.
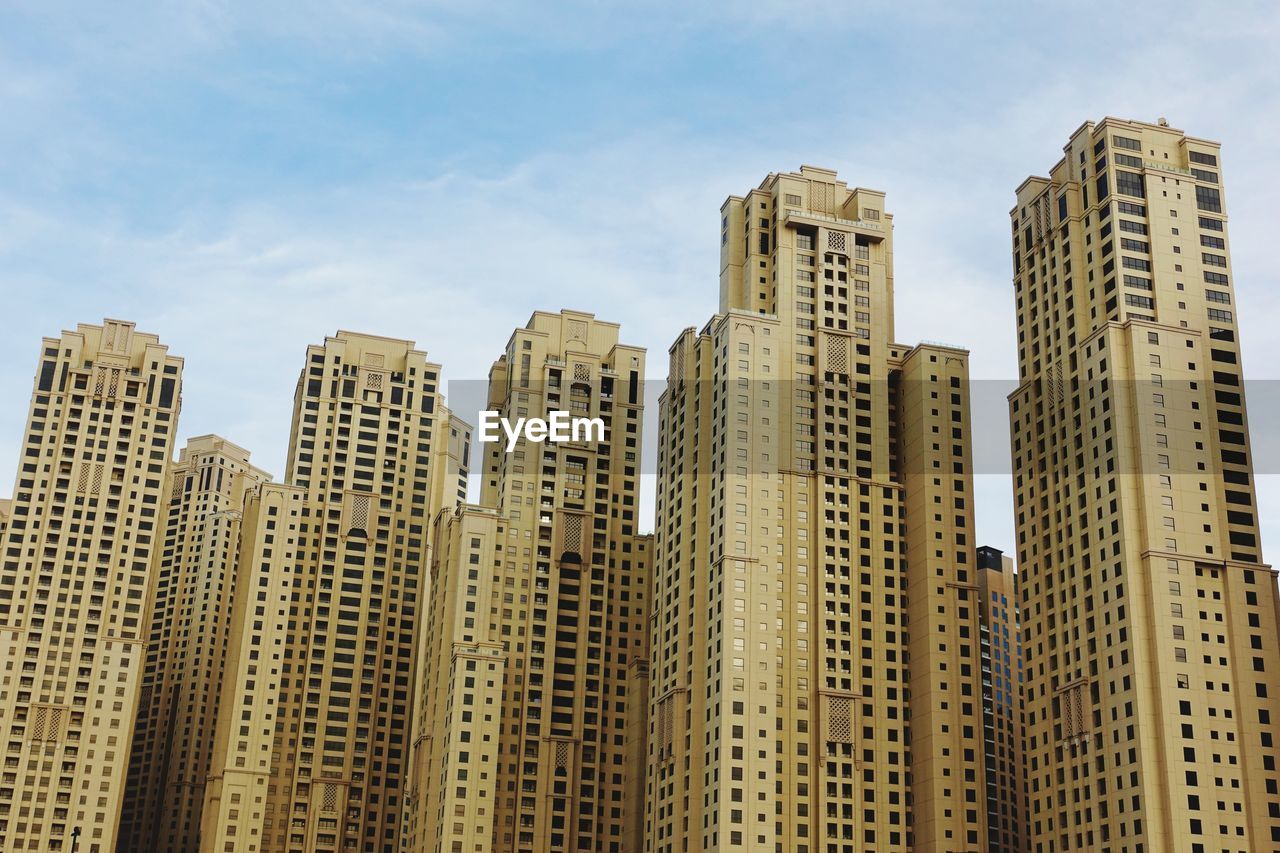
531	731
1002	713
75	579
1149	619
815	675
187	642
311	747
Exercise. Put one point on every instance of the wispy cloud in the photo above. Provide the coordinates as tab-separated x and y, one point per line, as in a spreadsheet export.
244	179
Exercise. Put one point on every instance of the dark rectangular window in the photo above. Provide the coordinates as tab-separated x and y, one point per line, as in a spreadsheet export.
1215	277
1132	227
1126	160
1207	198
1129	183
1062	207
1202	175
1210	224
1101	183
1126	142
1201	157
1212	242
1131	209
46	375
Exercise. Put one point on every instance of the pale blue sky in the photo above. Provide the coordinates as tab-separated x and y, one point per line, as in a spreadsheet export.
244	178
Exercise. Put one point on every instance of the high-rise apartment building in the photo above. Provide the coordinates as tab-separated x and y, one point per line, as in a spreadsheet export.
75	577
530	728
1002	714
1149	619
816	682
312	741
188	634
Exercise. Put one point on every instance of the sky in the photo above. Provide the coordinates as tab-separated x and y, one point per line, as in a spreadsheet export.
243	179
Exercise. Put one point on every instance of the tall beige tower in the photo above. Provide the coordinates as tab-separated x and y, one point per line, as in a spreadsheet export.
312	741
1003	716
1149	618
530	730
75	579
815	665
188	636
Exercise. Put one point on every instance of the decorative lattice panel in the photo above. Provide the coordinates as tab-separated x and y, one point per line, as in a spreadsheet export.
573	533
1073	711
837	354
839	719
115	336
837	241
329	798
44	724
562	755
373	380
358	512
581	373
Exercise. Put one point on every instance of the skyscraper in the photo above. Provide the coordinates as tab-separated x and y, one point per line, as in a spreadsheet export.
188	633
531	726
1149	618
75	580
1002	713
311	745
815	664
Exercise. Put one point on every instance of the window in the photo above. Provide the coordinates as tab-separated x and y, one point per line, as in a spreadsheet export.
1210	224
1218	296
1128	160
1213	260
1132	227
1062	207
1131	209
793	199
1137	281
1202	158
1215	278
1135	245
1137	264
1139	301
1219	315
1129	183
1202	175
1127	143
1212	242
1207	198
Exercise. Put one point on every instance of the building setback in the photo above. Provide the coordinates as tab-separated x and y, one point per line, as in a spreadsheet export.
816	681
1149	618
312	741
530	728
75	578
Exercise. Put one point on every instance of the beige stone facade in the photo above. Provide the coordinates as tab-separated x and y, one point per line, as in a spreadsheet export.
530	731
312	743
76	578
815	674
1003	717
188	635
1149	618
